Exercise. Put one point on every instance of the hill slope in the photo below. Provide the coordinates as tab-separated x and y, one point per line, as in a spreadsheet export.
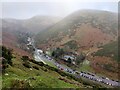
88	27
38	76
109	50
34	24
14	31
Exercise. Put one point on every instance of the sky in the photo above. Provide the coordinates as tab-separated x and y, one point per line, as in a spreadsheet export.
24	9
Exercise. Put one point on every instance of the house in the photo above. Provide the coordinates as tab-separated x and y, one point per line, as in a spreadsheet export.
66	57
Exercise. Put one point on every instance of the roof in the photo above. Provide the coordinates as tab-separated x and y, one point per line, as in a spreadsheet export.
67	56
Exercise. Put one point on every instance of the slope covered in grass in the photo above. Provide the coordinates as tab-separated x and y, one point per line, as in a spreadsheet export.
109	50
20	76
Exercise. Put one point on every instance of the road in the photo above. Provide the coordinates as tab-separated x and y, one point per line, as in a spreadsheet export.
87	75
40	57
37	56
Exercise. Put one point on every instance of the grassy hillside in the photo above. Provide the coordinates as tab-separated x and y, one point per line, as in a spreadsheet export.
87	27
106	61
19	76
71	44
109	50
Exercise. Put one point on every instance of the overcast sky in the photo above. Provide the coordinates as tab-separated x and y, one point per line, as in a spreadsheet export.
24	10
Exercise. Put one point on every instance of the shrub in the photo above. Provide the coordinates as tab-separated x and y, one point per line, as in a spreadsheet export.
19	84
35	67
38	63
26	64
41	63
25	58
58	52
80	58
7	54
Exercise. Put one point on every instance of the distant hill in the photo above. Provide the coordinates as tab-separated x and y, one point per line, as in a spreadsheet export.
34	24
39	23
89	28
14	31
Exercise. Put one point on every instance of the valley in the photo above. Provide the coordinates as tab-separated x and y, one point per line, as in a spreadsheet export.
86	32
77	51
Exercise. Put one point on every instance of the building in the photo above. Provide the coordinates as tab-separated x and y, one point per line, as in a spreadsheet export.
66	57
71	57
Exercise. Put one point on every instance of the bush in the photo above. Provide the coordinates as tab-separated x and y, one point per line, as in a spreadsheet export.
35	67
58	52
7	54
19	84
41	63
4	64
27	65
38	63
80	58
25	58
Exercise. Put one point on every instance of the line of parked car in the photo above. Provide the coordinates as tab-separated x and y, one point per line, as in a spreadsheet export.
100	79
87	75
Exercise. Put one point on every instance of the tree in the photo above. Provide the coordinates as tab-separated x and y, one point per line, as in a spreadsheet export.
58	52
69	60
7	54
80	58
25	58
6	57
26	62
53	53
4	64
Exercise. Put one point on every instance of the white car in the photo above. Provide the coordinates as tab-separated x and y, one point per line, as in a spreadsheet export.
107	78
81	74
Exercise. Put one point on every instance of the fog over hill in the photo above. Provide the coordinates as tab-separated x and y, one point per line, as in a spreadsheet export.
34	24
87	27
14	31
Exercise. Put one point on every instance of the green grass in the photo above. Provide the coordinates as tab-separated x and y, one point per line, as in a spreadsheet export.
0	82
85	66
109	50
50	63
50	82
43	78
72	44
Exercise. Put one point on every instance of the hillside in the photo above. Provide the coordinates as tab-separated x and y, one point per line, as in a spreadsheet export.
109	50
39	23
91	32
90	28
14	41
14	31
87	31
33	25
36	76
